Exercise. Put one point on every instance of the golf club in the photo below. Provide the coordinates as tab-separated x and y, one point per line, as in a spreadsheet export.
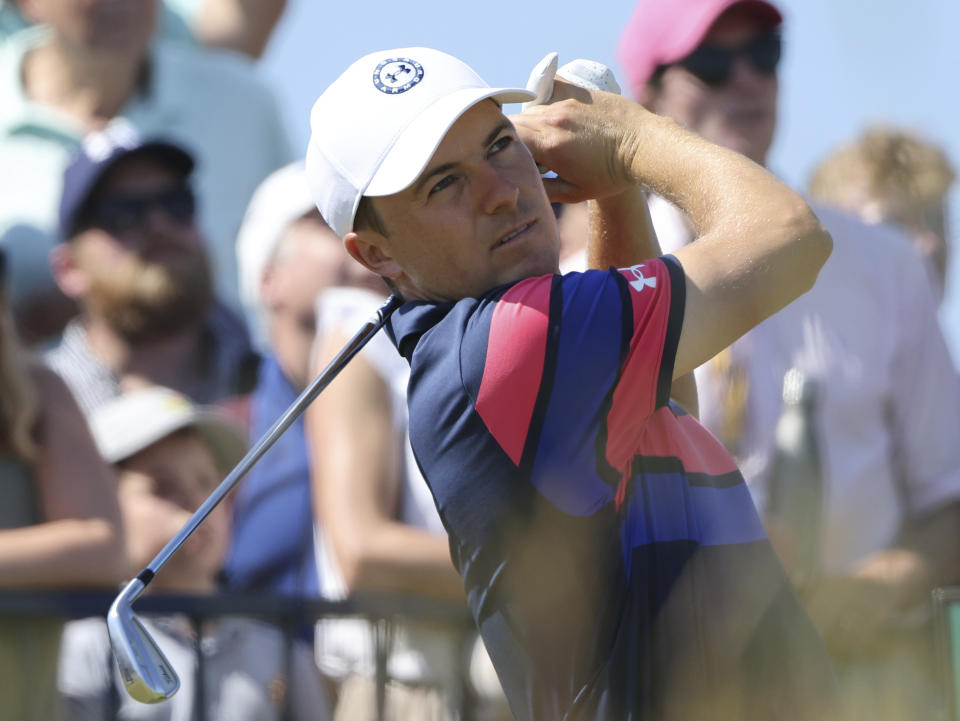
147	674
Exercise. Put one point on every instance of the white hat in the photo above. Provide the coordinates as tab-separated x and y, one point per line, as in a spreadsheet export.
376	127
127	424
278	201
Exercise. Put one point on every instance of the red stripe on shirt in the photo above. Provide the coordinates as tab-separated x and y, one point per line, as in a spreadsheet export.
635	396
683	437
514	363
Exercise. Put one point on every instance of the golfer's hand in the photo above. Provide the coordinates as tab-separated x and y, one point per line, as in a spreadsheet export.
588	138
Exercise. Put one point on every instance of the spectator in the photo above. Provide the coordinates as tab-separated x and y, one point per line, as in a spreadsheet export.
90	68
170	456
59	520
893	176
286	256
241	25
134	261
378	529
867	334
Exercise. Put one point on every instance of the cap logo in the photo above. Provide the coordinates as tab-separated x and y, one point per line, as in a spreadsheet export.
397	75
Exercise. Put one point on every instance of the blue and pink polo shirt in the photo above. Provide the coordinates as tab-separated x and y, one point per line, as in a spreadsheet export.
610	551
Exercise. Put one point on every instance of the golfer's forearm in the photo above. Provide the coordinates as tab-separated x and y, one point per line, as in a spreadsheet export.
621	231
750	217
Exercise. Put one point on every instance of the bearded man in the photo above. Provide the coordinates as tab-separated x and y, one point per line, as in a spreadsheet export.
133	259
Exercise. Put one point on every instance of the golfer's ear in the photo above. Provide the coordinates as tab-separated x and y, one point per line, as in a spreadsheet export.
367	248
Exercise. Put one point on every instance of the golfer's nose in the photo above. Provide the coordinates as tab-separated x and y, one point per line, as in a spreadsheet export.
498	192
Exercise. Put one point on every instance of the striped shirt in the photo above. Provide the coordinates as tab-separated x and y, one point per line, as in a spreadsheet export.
225	363
611	554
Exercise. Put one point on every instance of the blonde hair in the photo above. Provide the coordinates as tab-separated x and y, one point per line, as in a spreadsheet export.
18	395
884	163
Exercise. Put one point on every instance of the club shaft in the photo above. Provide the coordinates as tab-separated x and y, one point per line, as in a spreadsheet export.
296	409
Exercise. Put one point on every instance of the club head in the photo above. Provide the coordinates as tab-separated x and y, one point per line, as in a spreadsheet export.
147	674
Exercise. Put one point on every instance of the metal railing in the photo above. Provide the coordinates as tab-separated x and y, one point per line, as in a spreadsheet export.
287	613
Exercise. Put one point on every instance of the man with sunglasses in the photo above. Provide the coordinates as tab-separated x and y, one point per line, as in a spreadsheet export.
887	418
133	259
710	65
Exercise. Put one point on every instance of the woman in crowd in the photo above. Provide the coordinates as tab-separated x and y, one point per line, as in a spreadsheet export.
59	519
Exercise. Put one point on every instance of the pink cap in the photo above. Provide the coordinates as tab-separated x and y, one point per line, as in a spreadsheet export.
661	32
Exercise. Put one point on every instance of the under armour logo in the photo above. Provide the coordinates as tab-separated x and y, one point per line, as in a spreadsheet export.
639	281
403	69
397	75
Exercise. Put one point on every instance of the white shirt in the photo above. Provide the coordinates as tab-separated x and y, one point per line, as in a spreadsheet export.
889	404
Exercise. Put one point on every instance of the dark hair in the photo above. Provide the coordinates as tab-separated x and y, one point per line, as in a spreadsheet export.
367	217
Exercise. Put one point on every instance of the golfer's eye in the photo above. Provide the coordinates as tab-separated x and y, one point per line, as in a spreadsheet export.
501	143
444	182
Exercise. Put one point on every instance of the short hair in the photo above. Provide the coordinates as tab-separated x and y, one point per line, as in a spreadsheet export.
367	217
885	162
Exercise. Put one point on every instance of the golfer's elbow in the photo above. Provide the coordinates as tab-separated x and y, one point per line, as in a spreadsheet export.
815	243
807	244
800	247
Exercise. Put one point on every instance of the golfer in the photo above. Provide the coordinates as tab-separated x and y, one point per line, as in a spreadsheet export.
609	549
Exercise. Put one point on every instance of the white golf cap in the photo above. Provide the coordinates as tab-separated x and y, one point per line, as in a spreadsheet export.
129	423
377	125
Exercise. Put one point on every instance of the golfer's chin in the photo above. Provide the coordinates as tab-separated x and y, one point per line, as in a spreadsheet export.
533	265
545	261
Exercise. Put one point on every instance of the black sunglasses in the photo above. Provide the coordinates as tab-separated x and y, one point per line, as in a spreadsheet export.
713	64
122	213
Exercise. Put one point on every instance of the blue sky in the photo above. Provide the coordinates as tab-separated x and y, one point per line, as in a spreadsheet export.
847	63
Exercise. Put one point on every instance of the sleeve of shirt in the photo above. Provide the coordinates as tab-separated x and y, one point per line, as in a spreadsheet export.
925	397
563	351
